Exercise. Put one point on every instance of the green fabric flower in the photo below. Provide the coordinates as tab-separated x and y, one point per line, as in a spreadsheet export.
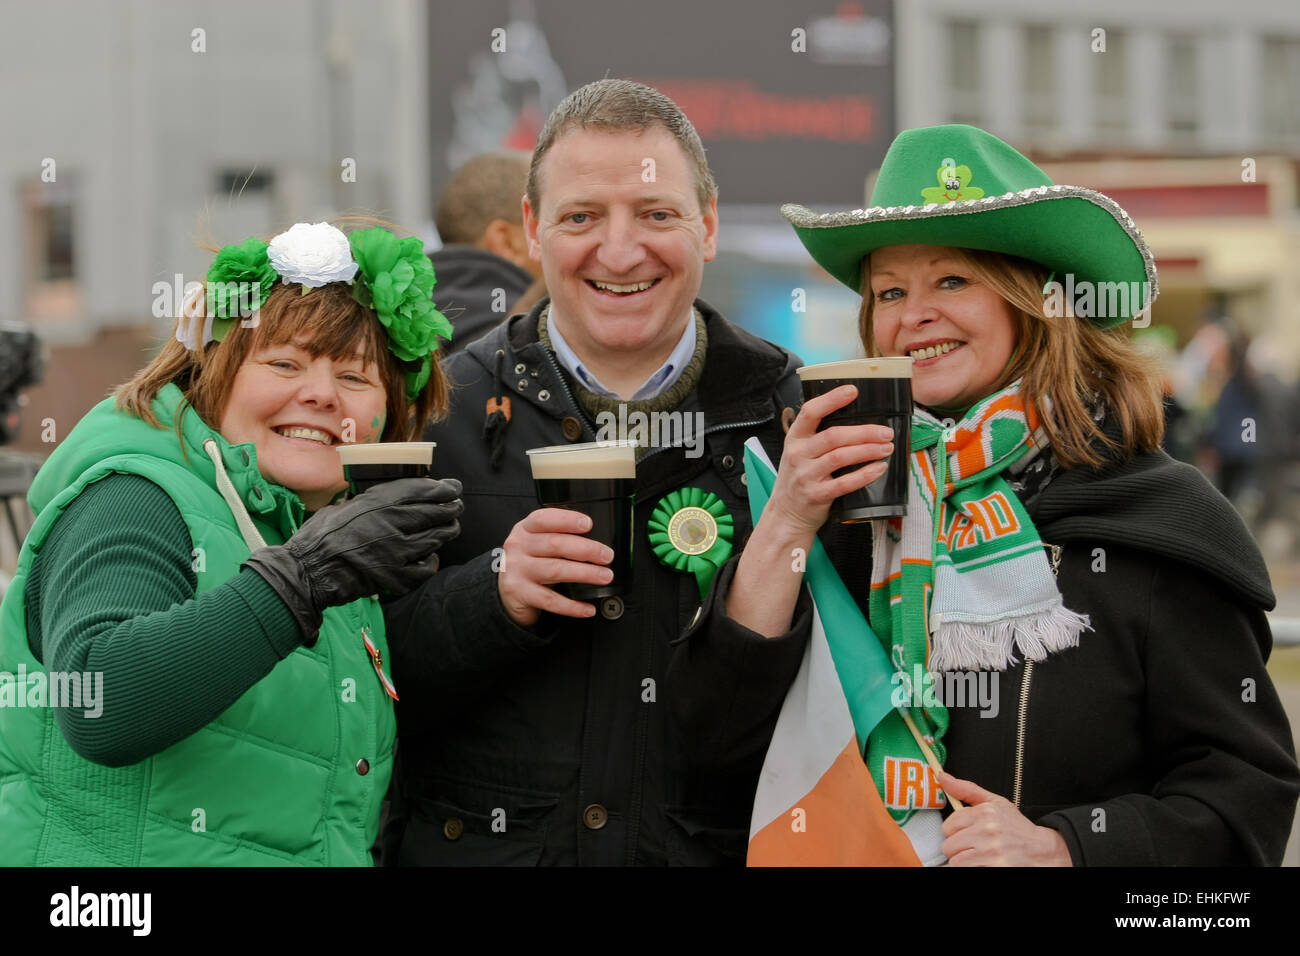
954	186
396	280
237	272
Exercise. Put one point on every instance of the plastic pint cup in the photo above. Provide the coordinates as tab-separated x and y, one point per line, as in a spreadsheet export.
884	398
367	465
598	479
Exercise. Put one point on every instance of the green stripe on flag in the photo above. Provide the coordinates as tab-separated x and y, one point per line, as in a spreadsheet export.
860	661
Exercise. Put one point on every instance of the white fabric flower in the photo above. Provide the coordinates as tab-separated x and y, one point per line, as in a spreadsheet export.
314	255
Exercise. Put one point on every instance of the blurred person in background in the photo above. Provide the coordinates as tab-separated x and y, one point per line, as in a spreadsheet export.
1250	434
1180	430
187	566
1114	592
483	268
22	365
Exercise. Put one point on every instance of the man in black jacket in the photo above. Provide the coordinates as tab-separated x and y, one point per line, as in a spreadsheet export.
484	270
534	728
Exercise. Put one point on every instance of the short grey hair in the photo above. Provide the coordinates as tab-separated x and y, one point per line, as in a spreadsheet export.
615	106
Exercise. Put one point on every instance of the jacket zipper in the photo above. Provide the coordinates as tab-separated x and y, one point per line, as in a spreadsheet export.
568	393
708	431
1022	711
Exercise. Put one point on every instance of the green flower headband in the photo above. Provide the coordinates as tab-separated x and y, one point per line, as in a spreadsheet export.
395	279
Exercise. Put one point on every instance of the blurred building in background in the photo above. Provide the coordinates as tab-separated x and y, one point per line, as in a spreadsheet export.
136	130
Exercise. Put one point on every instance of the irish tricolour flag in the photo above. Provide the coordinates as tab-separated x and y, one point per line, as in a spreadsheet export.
816	803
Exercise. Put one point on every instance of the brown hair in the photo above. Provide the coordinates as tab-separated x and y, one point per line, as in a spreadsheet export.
1064	358
615	106
333	324
483	190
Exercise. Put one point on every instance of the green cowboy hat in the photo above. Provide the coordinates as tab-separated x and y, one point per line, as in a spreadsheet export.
960	186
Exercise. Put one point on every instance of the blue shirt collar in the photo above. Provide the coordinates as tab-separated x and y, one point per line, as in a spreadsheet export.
655	385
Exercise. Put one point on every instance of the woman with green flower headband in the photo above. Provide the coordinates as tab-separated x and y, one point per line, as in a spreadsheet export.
192	570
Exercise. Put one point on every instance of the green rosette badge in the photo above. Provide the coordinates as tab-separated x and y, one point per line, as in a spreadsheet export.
691	530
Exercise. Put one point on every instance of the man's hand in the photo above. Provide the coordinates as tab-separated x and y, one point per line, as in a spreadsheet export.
990	831
546	548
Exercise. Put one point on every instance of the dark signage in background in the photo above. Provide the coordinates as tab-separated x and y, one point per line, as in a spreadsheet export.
794	100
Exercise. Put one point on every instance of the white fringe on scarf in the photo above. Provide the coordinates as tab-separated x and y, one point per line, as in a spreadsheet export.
964	646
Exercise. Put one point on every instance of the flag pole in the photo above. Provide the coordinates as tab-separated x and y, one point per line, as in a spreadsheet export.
930	758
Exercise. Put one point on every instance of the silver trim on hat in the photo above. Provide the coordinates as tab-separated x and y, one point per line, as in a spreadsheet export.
805	218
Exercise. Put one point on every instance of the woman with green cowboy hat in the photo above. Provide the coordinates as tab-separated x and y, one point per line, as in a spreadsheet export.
1112	601
192	653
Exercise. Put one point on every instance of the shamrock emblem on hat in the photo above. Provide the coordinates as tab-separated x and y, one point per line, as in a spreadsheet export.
954	185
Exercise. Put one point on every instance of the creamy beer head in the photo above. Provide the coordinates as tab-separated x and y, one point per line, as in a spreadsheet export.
389	453
602	459
889	366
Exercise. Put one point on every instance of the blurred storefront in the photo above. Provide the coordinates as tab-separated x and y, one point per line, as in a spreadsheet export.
1223	232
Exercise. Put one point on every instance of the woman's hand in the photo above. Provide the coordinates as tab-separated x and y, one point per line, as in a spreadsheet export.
770	572
804	489
990	831
384	541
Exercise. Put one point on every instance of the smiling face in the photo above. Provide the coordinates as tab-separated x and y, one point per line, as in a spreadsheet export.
961	334
623	257
295	408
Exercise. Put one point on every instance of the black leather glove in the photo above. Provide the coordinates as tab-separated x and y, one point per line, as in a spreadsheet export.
383	541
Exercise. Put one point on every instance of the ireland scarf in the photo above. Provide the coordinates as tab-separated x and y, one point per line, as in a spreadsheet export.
962	582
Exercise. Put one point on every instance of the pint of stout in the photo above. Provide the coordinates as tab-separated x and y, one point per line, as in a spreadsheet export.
368	465
598	479
884	398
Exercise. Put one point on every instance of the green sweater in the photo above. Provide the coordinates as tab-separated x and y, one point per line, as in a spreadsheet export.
119	598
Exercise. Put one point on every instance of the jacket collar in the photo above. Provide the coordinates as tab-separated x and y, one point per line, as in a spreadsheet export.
740	371
1152	503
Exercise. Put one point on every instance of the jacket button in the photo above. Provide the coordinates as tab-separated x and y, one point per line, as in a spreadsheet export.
453	828
595	817
728	462
572	428
544	395
520	368
243	454
611	608
523	384
363	766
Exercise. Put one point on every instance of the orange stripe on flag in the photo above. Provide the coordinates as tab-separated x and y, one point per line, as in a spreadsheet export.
841	822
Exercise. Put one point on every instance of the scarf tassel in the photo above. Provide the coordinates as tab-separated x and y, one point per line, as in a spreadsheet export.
964	646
